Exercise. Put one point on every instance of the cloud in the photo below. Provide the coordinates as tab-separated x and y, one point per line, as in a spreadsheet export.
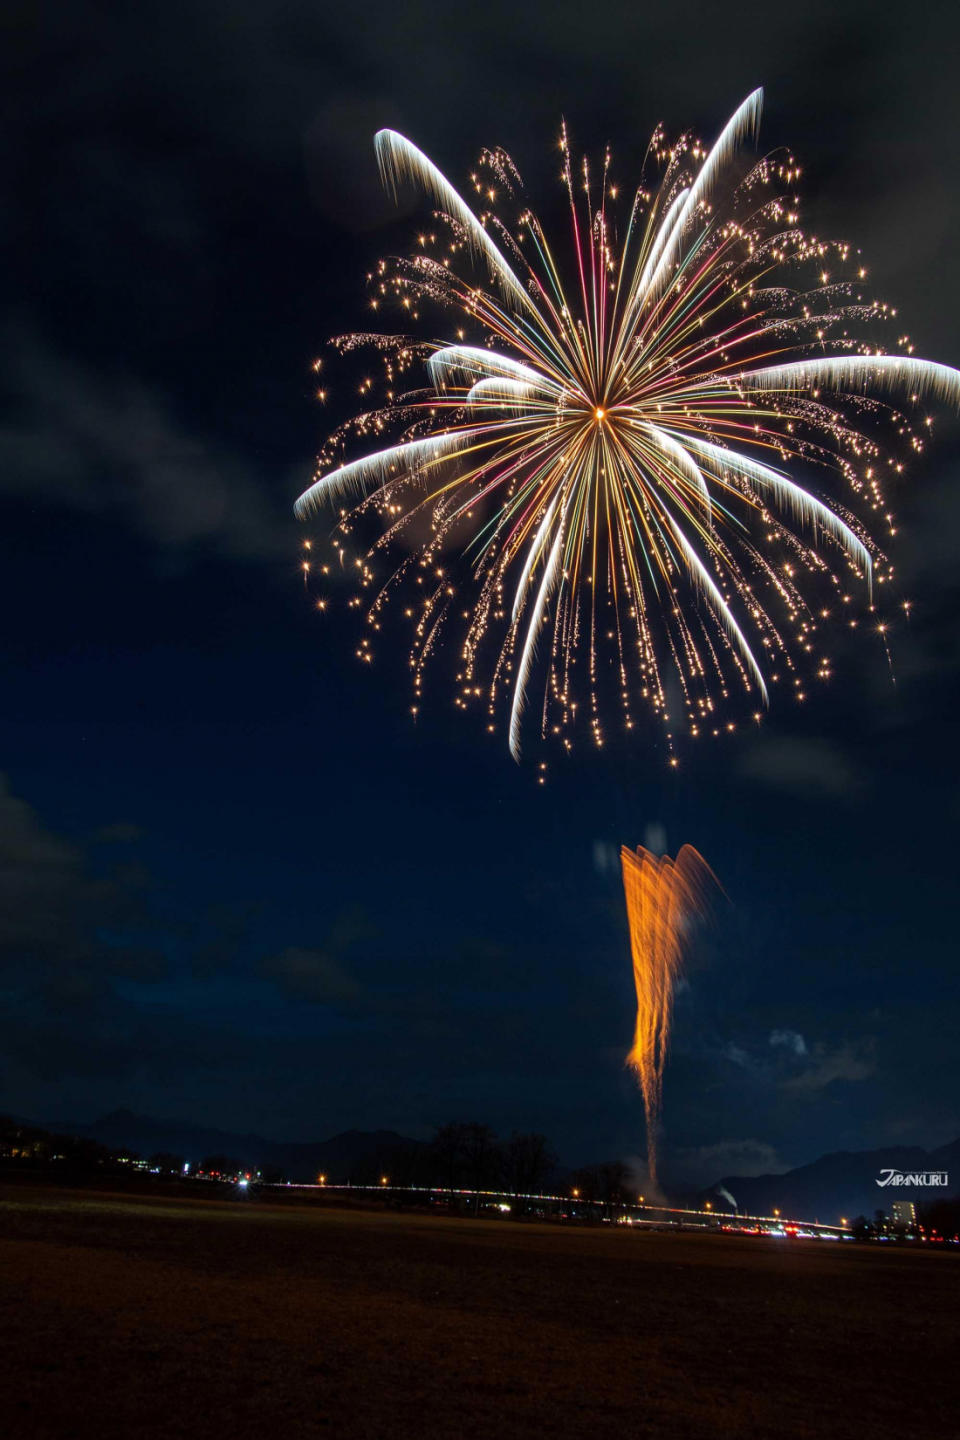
321	975
851	1061
801	766
800	1068
705	1164
315	976
790	1040
62	923
120	832
106	443
606	857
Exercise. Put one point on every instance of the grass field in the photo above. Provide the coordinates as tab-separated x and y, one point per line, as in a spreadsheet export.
125	1316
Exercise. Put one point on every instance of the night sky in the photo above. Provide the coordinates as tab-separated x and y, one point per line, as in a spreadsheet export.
237	883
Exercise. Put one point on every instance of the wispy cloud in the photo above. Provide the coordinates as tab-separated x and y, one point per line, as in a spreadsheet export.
801	766
852	1061
789	1040
110	444
705	1164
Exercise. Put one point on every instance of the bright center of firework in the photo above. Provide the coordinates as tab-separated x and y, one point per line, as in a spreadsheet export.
599	413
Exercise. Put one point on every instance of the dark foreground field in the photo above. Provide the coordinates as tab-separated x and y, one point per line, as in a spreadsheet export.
141	1317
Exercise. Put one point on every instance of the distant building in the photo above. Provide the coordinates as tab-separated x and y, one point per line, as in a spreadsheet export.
903	1212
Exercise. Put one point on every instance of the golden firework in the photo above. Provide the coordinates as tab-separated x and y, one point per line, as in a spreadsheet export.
664	897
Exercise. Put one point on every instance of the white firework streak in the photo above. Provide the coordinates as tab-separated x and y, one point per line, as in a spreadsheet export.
390	464
706	582
399	159
535	549
804	505
533	629
683	461
858	373
666	231
445	364
744	119
507	394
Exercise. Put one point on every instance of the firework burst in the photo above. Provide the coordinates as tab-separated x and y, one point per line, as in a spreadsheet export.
603	459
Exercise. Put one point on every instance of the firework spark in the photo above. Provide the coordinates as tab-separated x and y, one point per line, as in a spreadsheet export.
663	897
598	467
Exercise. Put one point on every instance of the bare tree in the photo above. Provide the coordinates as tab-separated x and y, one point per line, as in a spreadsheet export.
527	1161
482	1155
614	1177
447	1155
466	1156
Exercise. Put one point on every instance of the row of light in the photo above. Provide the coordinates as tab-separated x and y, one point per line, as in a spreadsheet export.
575	1195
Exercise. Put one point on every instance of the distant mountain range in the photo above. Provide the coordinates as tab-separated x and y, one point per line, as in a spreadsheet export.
837	1185
337	1158
842	1184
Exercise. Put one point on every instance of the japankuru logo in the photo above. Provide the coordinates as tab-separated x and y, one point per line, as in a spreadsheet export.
913	1177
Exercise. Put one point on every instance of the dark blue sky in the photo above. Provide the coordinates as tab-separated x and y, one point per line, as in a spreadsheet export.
237	883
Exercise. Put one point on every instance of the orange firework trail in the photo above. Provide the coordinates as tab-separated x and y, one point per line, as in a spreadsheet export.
663	897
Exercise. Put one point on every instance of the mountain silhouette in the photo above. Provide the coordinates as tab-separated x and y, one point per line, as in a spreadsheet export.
843	1184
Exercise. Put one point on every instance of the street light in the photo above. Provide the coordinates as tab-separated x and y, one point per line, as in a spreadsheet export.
575	1193
776	1213
383	1180
641	1199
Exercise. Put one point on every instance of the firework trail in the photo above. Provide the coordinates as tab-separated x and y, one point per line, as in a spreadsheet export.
664	897
607	473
